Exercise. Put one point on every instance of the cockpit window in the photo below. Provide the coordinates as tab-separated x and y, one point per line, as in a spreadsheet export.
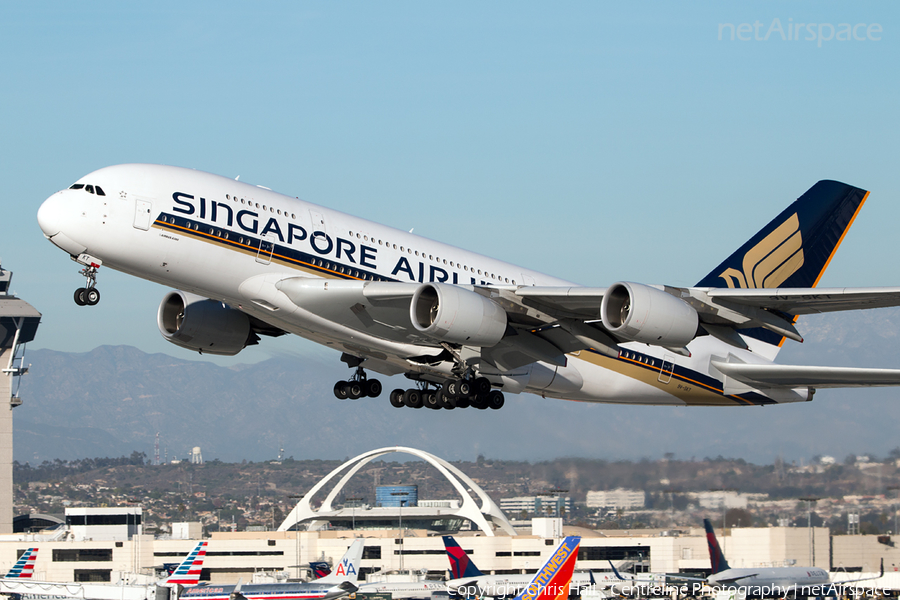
90	189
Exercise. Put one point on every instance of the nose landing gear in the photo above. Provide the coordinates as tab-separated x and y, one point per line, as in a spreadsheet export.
88	295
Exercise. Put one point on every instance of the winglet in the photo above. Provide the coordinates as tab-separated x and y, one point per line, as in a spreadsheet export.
551	582
24	567
348	568
716	557
188	572
460	563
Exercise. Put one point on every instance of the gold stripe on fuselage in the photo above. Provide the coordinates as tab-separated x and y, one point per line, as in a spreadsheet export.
689	391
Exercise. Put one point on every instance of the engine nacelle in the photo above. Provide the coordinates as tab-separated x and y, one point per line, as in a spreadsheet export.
203	325
456	315
642	313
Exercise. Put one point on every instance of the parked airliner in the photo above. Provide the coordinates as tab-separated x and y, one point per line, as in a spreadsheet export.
337	584
19	583
465	575
465	328
770	581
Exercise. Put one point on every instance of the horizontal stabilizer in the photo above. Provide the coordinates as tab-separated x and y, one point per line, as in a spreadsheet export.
791	376
805	301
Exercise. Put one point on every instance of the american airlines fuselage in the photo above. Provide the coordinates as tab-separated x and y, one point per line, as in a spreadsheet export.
237	243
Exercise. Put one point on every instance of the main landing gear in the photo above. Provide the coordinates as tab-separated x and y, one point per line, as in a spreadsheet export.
454	393
88	295
357	386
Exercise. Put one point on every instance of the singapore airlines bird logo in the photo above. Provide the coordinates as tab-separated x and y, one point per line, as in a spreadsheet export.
769	263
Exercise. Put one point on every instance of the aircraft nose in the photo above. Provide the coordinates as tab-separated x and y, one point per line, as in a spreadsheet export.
48	216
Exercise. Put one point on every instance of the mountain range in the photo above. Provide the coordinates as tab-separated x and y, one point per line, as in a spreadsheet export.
115	399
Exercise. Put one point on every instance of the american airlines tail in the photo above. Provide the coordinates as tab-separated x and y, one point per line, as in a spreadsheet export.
716	557
188	572
24	567
551	582
793	250
460	563
348	568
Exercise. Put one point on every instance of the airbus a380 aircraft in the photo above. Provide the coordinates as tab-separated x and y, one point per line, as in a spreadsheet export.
247	261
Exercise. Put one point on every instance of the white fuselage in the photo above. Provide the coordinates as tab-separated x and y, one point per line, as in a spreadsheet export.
403	589
231	241
771	581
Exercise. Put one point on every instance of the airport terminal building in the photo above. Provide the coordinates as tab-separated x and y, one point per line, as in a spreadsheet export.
109	545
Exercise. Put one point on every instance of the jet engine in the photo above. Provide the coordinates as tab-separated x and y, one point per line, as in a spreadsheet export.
642	313
204	325
457	315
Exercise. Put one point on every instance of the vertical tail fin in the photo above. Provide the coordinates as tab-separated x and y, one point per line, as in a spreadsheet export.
794	249
348	568
615	571
24	567
460	563
188	572
319	569
551	582
716	558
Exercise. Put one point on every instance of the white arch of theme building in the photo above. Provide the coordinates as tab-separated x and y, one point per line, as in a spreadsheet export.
487	516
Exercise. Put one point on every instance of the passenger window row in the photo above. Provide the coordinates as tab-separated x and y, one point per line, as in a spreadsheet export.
431	257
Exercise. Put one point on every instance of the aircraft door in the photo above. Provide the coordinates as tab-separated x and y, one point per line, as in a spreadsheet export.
667	368
266	247
142	214
318	221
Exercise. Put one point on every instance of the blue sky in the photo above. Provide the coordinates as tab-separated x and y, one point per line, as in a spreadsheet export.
595	141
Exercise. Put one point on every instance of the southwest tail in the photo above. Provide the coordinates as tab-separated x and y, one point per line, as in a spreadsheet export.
188	572
551	582
460	563
24	567
794	249
716	558
348	568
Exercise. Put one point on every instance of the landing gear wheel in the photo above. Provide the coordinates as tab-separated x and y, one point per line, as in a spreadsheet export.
354	390
412	398
495	399
373	388
92	296
80	299
397	399
481	385
451	388
340	390
463	403
480	402
431	400
463	388
445	401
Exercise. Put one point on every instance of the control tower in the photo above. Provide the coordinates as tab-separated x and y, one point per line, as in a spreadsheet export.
18	324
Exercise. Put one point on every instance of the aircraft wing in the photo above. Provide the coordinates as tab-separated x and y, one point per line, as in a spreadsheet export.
516	326
790	376
804	301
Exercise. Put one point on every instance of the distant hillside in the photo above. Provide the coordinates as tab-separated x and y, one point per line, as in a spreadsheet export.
113	400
